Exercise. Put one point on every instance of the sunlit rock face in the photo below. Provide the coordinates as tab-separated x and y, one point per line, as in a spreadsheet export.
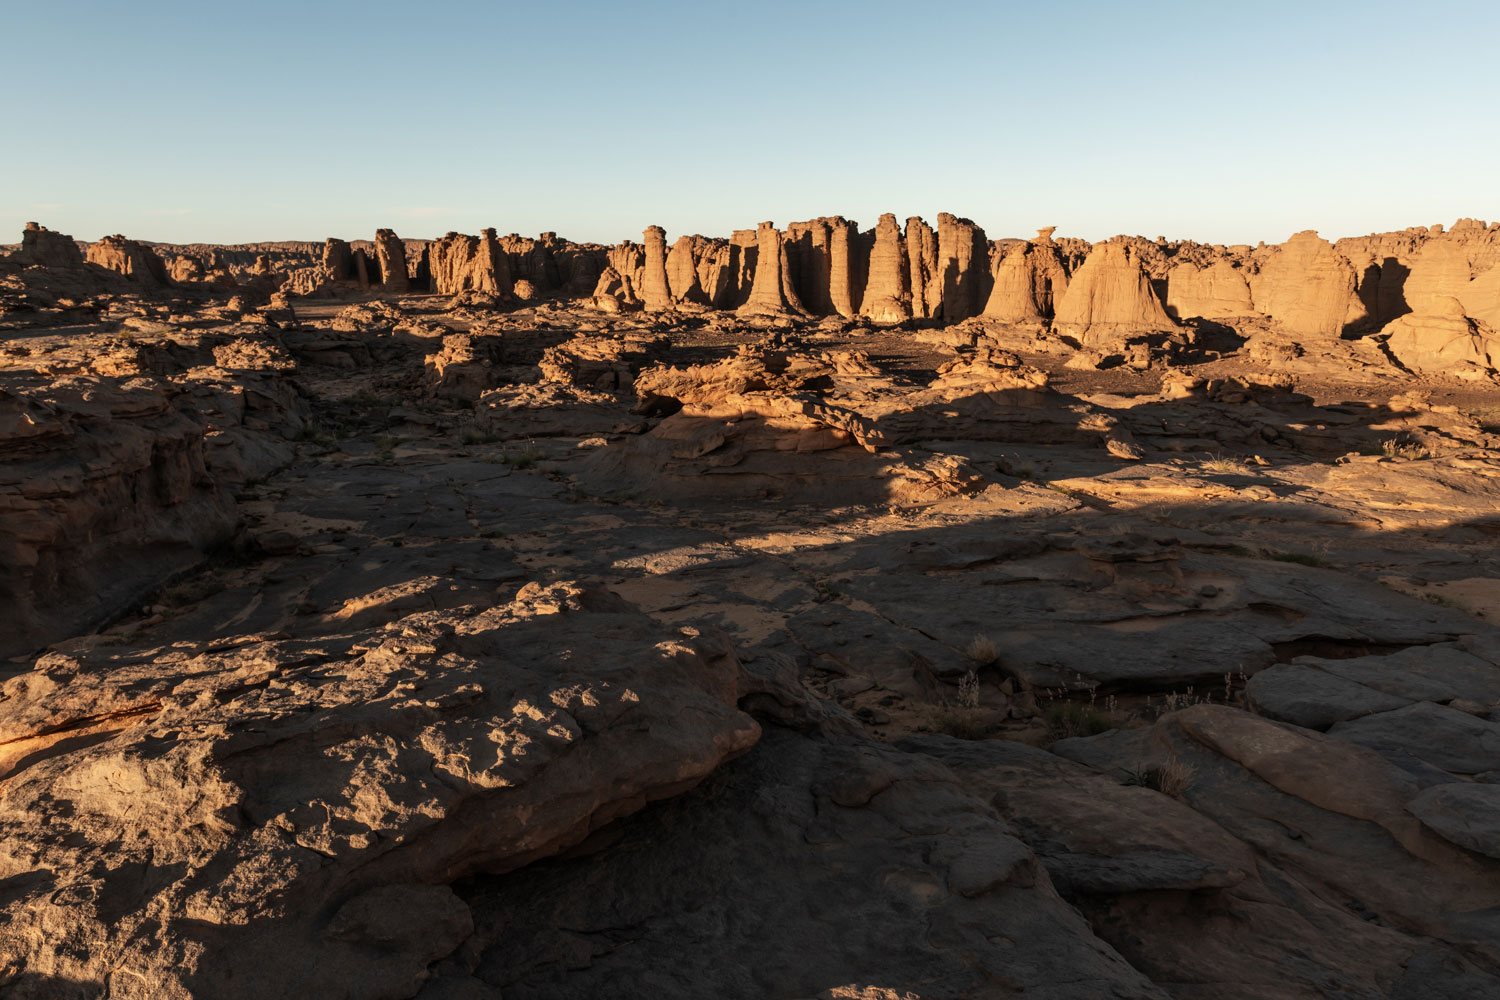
820	611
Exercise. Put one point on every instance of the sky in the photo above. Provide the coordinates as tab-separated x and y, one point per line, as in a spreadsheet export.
1225	123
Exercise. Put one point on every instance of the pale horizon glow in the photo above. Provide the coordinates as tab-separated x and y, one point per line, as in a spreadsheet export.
185	122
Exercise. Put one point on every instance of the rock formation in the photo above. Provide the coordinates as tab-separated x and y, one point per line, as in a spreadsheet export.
656	294
1027	283
963	268
1110	299
924	279
888	297
1308	288
136	261
338	262
1441	339
1218	291
390	254
682	275
415	649
771	292
41	247
460	263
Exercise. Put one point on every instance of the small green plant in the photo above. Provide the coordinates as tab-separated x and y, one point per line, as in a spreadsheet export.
475	437
492	533
826	590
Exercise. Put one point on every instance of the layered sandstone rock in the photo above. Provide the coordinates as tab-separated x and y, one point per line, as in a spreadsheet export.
1028	282
460	263
1218	291
322	837
656	294
1439	272
390	253
771	293
41	247
924	279
682	274
1481	297
963	268
846	275
1441	339
888	297
1308	288
338	261
809	264
1110	299
136	261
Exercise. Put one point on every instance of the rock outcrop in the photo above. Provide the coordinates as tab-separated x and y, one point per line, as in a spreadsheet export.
1028	282
963	268
656	294
460	263
1110	299
1218	291
41	247
136	261
924	279
390	254
771	292
1308	288
888	295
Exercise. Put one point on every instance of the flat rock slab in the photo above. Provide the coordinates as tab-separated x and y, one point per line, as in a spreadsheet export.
1467	814
1439	673
1313	699
1443	737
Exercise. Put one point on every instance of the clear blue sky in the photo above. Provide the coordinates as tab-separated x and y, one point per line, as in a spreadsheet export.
1223	122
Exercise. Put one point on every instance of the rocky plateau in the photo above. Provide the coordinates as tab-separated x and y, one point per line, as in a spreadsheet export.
819	612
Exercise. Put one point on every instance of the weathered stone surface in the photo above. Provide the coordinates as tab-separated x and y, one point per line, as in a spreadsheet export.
1441	736
136	261
888	293
924	279
1218	291
656	296
1028	282
1468	815
1308	288
772	293
461	263
390	254
41	247
1442	340
314	832
682	275
1312	699
1110	299
963	268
